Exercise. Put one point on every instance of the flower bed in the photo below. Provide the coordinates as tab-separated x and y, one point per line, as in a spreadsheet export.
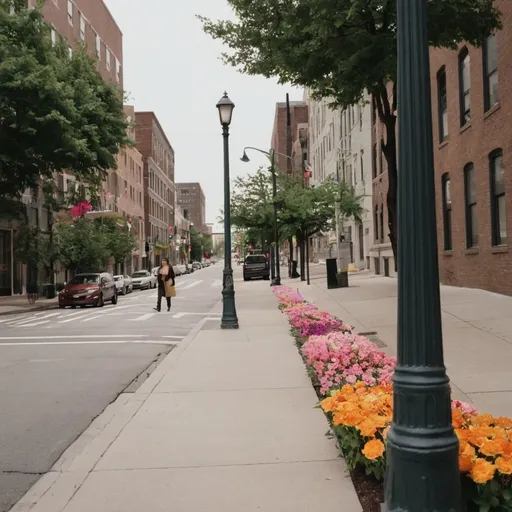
353	380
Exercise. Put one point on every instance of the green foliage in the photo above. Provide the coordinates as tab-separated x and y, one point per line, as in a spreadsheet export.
341	50
196	241
82	246
119	242
56	112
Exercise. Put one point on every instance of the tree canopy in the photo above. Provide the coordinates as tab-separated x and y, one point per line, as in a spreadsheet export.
341	49
56	111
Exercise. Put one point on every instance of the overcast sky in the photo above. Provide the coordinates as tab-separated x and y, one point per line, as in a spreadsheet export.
173	68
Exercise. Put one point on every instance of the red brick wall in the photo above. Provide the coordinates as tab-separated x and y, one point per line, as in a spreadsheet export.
485	266
98	20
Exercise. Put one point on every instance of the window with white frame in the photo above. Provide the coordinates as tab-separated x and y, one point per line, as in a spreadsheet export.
98	46
70	12
54	36
118	70
108	59
82	27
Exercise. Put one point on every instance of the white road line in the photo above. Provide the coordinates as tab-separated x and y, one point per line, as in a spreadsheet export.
96	314
216	284
143	317
102	342
191	285
35	323
86	336
175	337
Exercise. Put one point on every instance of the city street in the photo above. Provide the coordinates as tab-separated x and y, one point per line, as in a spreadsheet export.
59	369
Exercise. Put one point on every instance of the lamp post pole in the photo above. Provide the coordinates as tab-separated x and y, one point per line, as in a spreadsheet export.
422	448
229	317
277	279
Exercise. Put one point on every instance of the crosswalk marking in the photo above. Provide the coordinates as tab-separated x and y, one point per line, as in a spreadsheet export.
191	285
34	324
143	317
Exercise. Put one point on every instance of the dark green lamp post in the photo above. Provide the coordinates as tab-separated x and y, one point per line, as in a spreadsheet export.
229	318
422	448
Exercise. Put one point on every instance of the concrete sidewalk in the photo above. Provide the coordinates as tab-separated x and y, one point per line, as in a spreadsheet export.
226	423
477	332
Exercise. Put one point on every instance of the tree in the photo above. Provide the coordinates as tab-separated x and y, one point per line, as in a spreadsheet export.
82	246
195	244
56	112
341	49
119	242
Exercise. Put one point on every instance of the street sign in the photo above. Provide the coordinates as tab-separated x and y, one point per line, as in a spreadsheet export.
170	230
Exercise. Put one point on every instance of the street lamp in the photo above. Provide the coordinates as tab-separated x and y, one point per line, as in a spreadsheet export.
337	209
422	448
276	281
229	318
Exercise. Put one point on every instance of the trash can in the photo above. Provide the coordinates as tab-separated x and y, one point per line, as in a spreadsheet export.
332	271
295	274
342	278
49	291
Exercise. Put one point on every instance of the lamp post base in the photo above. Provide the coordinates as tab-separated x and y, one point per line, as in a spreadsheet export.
229	318
276	281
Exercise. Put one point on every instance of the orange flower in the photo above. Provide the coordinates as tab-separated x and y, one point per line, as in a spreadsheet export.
482	471
483	420
465	463
373	449
503	421
328	404
368	428
463	435
504	466
492	447
457	418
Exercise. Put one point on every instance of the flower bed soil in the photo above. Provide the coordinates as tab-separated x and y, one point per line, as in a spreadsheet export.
369	491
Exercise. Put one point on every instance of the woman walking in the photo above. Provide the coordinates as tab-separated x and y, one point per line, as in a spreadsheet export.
166	282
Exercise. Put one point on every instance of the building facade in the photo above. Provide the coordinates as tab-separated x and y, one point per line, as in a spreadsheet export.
285	136
340	143
382	261
77	21
471	109
159	188
192	201
181	239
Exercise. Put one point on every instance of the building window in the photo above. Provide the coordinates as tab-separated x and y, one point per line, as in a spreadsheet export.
442	104
361	241
108	59
382	223
361	159
490	62
98	47
447	212
464	87
470	202
82	27
498	207
70	12
70	52
381	152
374	161
54	36
118	70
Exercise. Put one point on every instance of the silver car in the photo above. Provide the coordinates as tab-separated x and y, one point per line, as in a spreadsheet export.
143	280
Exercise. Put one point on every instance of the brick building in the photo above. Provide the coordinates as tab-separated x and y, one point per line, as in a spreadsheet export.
90	22
192	201
279	141
159	189
381	254
471	109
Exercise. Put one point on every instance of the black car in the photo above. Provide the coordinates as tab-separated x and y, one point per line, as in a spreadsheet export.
256	265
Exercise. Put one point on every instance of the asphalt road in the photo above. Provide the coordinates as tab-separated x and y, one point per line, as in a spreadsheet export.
59	369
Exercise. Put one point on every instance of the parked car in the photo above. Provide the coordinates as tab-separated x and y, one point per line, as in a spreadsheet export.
182	269
143	280
178	270
256	265
189	268
91	289
128	283
121	286
196	265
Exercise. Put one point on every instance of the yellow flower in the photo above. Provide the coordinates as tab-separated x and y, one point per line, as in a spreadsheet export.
373	449
482	471
504	466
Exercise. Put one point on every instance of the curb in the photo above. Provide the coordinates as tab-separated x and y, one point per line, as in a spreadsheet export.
26	309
